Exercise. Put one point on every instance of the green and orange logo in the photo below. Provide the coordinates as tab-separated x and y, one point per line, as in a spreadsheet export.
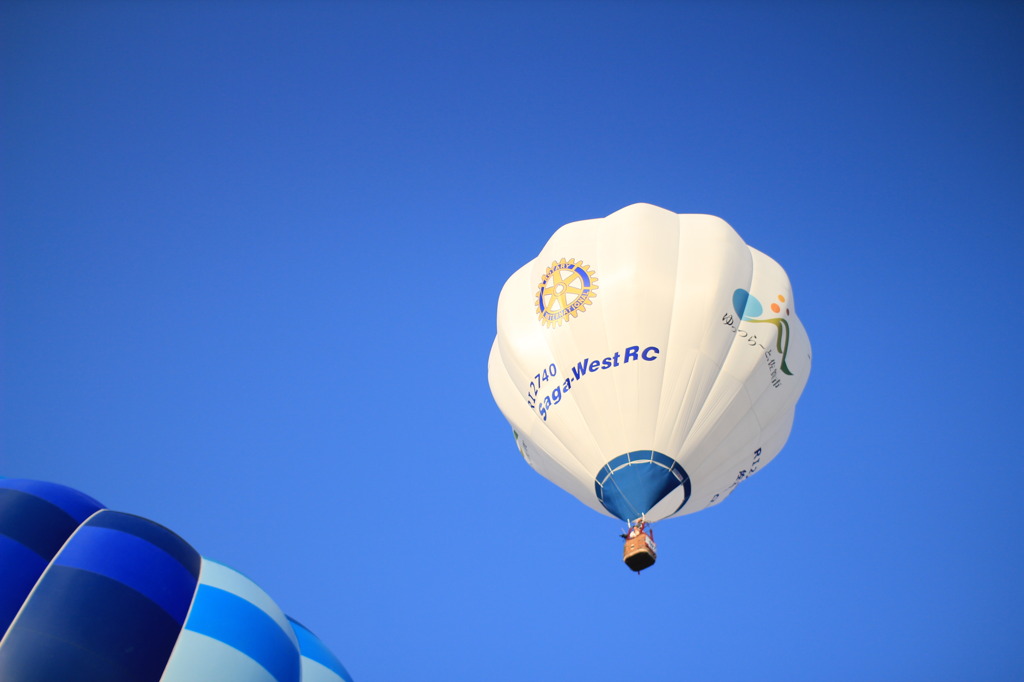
750	310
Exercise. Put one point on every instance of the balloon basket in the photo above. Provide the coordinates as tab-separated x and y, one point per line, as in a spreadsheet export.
640	551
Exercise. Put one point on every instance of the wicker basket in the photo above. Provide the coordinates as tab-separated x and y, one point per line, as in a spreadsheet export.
640	552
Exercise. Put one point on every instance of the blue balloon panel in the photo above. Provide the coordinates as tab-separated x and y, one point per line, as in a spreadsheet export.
318	663
36	519
108	608
235	633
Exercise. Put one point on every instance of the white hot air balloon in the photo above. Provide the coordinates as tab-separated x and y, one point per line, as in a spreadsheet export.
648	363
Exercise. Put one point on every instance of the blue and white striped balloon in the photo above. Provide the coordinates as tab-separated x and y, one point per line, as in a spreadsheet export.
87	593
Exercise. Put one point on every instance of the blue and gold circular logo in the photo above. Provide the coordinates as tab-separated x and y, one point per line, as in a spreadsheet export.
566	290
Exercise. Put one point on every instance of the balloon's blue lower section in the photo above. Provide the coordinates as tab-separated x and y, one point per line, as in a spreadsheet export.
631	484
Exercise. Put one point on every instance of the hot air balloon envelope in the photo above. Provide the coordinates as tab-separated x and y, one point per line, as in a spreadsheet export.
648	362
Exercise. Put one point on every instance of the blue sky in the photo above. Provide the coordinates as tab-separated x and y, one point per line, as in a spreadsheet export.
251	253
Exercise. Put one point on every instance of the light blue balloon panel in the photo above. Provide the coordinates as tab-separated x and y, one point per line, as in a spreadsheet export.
236	632
89	594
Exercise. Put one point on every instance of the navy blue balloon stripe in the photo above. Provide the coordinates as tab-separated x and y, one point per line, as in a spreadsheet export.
34	522
152	533
134	562
20	568
75	504
228	618
78	625
36	519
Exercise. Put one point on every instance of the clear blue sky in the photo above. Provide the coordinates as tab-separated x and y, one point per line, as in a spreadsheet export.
251	253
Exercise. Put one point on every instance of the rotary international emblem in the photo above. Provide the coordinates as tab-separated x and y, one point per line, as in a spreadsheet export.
567	288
